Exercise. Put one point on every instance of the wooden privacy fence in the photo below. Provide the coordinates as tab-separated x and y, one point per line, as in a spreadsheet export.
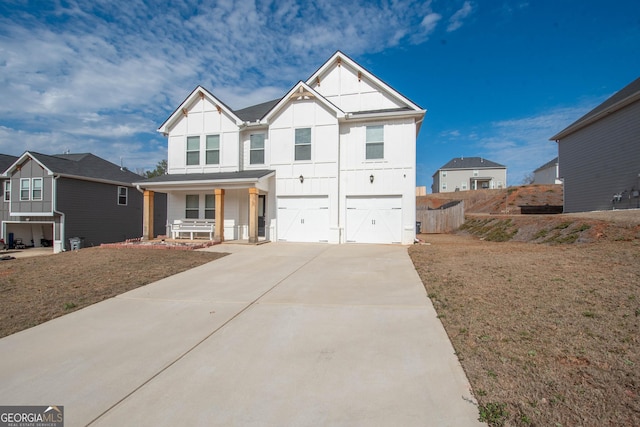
445	219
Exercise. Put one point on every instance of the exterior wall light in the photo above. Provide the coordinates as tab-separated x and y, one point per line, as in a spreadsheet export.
371	179
301	179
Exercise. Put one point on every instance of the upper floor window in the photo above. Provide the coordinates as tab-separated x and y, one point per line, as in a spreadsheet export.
193	150
256	149
303	144
7	191
25	188
476	173
36	189
212	155
192	207
444	174
210	206
123	193
375	142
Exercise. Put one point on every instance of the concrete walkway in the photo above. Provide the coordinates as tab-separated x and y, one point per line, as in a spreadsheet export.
274	335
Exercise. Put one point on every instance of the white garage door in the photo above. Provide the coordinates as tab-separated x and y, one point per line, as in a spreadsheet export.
303	219
374	219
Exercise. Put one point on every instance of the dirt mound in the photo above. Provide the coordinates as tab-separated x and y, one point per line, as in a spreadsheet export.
503	201
552	229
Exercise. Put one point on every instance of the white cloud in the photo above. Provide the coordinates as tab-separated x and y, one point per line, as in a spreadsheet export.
100	76
523	144
456	19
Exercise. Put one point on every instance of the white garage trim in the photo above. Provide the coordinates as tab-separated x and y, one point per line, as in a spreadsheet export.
303	219
374	219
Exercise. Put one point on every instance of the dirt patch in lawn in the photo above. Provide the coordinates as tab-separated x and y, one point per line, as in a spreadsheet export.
547	333
34	290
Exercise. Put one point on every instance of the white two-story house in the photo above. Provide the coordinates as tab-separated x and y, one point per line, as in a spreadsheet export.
333	160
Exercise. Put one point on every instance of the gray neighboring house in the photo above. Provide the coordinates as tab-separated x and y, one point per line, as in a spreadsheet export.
547	173
5	161
600	155
48	199
469	173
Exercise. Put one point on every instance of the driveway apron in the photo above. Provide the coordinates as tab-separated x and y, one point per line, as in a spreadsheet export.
271	335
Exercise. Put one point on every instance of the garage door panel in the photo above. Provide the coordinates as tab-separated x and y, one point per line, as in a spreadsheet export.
303	219
374	219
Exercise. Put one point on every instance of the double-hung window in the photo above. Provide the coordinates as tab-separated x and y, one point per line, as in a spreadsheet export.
193	150
210	206
192	206
7	191
25	188
212	151
375	142
303	144
36	189
256	149
123	193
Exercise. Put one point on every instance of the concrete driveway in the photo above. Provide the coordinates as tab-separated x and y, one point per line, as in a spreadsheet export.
277	334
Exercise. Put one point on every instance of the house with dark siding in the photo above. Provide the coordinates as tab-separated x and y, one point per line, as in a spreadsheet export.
49	199
599	155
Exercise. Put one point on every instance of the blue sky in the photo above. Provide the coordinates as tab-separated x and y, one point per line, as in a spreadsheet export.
498	78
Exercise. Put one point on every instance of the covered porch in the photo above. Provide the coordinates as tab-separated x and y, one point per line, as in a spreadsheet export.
225	206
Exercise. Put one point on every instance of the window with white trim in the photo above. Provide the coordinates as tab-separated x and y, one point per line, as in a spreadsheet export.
464	185
192	207
444	185
25	188
212	150
256	149
193	150
210	206
36	189
476	173
444	174
375	142
303	144
123	196
7	191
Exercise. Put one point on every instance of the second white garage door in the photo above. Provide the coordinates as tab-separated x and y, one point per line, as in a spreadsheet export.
303	219
374	219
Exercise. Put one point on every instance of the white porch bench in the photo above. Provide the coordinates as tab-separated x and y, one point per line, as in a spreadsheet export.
192	226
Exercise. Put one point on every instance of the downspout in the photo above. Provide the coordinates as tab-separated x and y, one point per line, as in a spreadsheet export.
55	211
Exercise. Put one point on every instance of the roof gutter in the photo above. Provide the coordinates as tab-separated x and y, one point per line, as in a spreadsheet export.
396	114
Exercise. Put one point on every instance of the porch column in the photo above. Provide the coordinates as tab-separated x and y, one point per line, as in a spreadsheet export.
147	215
218	235
253	215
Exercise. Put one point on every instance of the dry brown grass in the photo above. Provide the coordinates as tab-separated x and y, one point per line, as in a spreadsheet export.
548	331
34	290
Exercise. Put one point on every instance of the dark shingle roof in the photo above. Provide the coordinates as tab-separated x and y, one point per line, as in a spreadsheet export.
612	104
6	161
471	163
215	176
85	165
547	165
256	112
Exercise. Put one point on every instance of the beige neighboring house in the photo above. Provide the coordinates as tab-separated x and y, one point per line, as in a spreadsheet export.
547	173
469	173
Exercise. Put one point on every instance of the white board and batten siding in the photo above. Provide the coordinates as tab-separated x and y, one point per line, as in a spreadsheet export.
203	118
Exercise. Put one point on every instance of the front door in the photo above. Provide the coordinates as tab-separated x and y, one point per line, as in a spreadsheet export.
261	215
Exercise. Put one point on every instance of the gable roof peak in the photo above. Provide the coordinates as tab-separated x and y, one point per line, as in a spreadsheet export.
472	163
625	96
